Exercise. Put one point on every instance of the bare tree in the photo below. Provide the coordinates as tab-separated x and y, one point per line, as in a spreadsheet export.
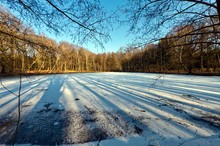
152	18
83	20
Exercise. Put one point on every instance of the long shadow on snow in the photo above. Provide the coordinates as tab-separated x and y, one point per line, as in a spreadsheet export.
140	83
167	90
123	123
172	92
22	93
55	127
142	99
28	84
164	90
201	94
8	120
102	98
147	109
37	126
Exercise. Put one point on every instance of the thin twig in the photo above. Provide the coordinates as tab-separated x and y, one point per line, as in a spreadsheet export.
7	88
19	109
156	80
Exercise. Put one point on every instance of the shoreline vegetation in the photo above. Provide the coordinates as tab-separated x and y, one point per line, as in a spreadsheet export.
197	73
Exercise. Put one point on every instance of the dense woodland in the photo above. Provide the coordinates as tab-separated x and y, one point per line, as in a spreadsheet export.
186	48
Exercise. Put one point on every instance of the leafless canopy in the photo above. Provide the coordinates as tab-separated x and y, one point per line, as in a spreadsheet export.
154	16
84	20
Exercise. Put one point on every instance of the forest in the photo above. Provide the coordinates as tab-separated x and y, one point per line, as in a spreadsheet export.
161	88
189	48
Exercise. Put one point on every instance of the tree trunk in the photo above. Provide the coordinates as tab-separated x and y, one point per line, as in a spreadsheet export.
180	58
207	66
218	61
218	9
201	58
22	62
94	64
13	59
3	69
201	62
87	68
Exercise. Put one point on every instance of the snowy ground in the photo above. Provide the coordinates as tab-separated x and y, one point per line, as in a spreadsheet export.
112	109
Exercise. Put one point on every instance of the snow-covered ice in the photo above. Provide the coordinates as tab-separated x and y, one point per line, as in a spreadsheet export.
112	109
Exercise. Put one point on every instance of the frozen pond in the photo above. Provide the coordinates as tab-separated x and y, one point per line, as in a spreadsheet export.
112	109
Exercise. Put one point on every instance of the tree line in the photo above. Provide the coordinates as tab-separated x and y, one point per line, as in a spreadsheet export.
186	48
21	50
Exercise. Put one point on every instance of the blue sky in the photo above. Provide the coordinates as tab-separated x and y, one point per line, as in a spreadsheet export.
119	34
119	37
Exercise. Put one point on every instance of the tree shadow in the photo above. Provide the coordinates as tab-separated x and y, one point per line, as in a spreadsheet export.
32	127
100	115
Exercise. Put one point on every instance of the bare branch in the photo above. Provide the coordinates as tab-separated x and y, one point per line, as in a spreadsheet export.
74	21
203	3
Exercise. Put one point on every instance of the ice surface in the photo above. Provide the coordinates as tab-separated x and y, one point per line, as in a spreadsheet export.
113	109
